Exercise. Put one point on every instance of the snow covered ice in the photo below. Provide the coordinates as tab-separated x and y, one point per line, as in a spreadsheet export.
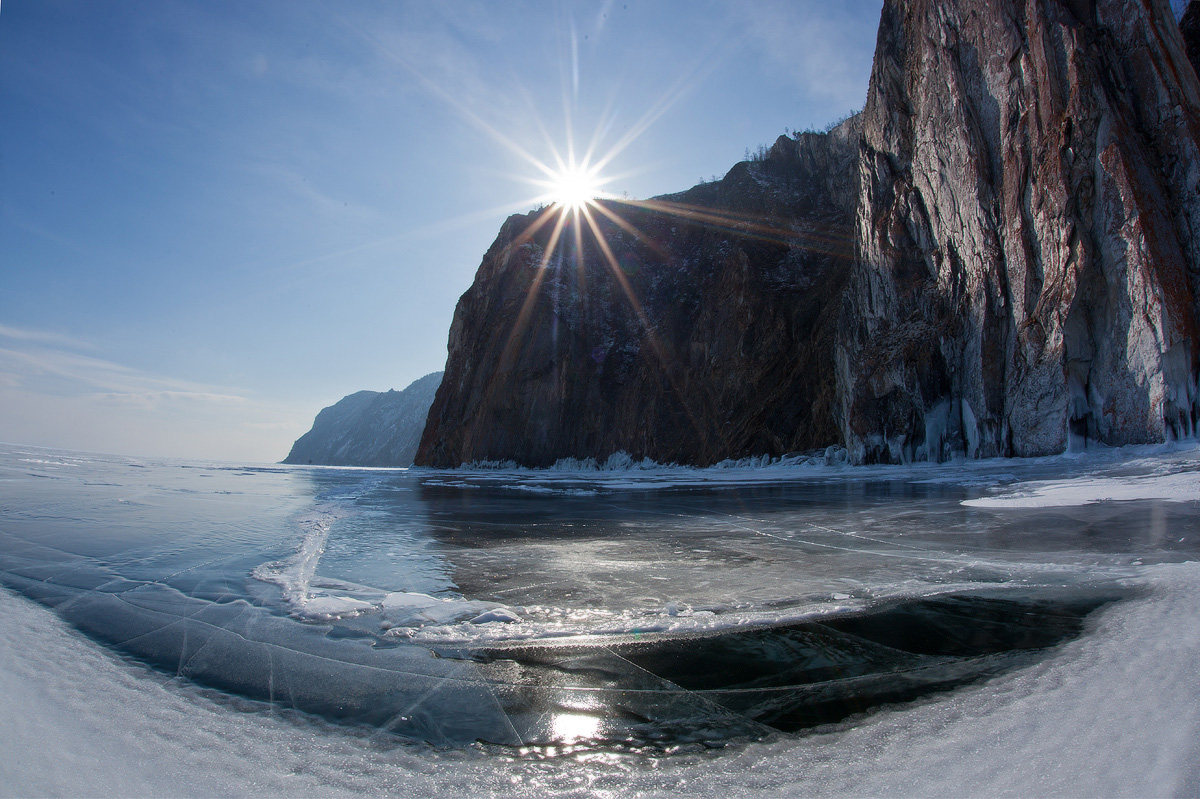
976	628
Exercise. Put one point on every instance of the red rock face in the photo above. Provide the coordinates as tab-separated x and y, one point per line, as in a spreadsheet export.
1026	262
1002	250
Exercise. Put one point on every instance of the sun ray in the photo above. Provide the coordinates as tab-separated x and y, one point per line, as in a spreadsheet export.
516	332
619	274
459	106
539	275
647	327
528	233
748	226
687	81
572	215
628	227
573	179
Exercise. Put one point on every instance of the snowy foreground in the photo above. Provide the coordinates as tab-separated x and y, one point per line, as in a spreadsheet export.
420	560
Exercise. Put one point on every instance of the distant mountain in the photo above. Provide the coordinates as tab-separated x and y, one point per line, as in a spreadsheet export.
369	428
1000	252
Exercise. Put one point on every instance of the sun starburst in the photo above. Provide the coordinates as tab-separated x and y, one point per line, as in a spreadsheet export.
573	186
577	212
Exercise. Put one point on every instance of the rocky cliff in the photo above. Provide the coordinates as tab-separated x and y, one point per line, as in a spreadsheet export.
999	252
1189	26
1026	236
691	328
369	428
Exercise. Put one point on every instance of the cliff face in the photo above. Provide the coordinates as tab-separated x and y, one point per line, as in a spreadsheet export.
1189	26
999	252
1026	234
701	329
369	428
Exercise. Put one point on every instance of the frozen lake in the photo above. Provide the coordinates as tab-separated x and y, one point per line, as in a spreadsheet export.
983	628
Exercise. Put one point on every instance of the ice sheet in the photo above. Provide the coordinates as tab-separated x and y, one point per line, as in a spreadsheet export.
1111	714
398	584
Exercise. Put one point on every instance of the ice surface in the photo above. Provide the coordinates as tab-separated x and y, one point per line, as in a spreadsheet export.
294	574
1111	714
502	615
443	606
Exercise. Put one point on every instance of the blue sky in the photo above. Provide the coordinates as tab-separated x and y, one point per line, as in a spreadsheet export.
218	217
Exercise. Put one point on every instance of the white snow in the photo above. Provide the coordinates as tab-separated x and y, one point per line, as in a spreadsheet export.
404	613
330	606
1084	490
502	615
398	600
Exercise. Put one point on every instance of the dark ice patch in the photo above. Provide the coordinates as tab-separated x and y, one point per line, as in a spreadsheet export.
749	682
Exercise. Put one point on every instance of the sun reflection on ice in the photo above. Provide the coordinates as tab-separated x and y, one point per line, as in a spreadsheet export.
571	728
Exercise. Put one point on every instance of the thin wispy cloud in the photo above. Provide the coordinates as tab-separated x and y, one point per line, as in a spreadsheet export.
27	366
42	337
290	426
151	400
14	214
824	48
321	202
45	362
54	394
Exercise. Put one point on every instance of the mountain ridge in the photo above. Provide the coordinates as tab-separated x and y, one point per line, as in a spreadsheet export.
369	428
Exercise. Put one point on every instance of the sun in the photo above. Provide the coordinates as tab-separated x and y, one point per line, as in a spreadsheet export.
573	186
